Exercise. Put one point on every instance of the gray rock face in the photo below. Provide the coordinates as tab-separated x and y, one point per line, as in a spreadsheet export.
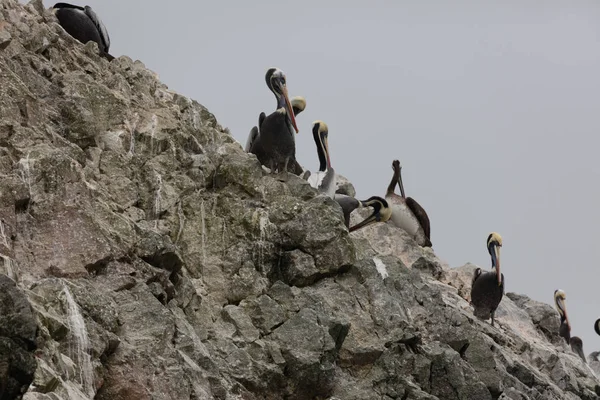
18	332
161	262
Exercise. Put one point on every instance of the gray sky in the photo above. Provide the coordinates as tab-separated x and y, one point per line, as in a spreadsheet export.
493	110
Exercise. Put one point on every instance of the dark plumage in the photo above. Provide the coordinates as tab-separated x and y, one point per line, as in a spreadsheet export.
577	347
597	326
274	142
487	288
84	25
348	204
565	326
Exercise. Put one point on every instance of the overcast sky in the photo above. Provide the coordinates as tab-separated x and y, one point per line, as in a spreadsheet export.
493	110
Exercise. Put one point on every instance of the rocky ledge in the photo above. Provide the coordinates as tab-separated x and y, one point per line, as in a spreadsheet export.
146	256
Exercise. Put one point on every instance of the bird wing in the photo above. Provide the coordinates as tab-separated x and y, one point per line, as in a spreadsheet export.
251	139
261	118
348	204
67	5
421	215
100	26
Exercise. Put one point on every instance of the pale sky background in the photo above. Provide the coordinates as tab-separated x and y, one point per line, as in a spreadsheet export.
493	110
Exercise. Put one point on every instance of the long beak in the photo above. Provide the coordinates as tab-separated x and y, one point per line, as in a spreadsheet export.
327	151
401	184
367	221
564	310
496	263
288	106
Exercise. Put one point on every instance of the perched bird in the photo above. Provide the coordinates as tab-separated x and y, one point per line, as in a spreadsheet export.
84	25
381	212
564	331
324	179
487	288
597	326
298	105
577	346
407	214
273	141
565	327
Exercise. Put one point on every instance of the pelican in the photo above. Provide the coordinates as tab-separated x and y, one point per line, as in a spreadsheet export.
324	179
565	326
84	25
575	342
577	347
407	214
381	212
273	141
487	288
597	326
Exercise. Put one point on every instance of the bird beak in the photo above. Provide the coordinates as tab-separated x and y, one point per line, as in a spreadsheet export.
327	150
496	263
564	310
367	221
288	106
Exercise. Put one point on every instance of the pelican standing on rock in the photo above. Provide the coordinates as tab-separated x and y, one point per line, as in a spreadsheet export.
274	142
84	25
559	302
407	214
381	212
324	179
564	331
487	288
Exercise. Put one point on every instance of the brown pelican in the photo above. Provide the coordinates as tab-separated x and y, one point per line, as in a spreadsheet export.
487	288
381	212
577	347
407	214
324	179
564	331
565	326
273	142
597	326
84	25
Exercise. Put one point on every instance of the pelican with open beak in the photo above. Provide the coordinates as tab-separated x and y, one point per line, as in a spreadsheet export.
487	288
381	212
274	142
565	326
407	214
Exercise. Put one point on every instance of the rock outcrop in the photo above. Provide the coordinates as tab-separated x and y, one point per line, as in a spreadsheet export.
155	259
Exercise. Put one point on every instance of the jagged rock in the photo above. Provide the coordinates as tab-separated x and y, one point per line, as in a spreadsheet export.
18	331
162	262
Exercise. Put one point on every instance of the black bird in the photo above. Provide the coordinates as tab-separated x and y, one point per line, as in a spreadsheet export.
274	142
407	214
597	326
487	288
84	25
381	212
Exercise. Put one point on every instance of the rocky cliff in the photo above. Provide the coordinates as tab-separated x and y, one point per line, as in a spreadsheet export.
154	259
